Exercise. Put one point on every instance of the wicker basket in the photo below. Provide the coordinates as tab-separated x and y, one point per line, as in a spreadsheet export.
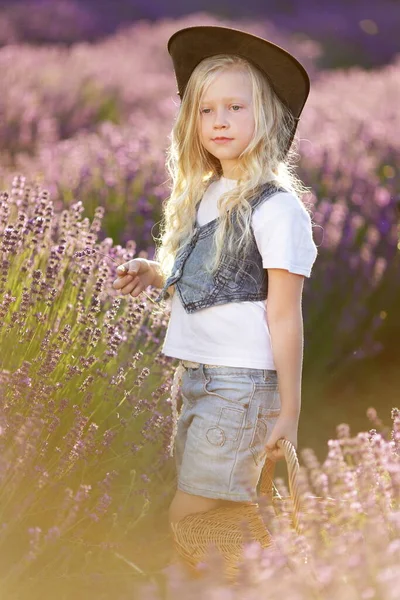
228	527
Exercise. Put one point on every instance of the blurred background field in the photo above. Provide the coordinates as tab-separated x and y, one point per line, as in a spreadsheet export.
88	100
351	32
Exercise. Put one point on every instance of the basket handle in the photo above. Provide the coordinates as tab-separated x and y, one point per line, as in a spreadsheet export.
267	476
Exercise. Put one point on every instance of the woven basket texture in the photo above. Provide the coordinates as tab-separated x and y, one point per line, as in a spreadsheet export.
227	528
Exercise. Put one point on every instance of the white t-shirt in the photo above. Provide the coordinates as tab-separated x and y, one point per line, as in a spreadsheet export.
236	333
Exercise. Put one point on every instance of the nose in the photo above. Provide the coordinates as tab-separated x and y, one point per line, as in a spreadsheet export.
220	119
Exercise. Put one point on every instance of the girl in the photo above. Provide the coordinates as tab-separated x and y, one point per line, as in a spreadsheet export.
236	246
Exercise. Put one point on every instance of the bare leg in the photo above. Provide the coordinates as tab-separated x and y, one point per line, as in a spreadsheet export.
184	504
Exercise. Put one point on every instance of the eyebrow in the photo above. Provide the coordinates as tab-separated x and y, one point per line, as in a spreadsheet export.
230	98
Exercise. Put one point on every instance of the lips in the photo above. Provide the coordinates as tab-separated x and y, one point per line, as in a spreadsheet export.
221	138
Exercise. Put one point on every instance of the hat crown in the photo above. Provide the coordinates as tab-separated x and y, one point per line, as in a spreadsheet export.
287	76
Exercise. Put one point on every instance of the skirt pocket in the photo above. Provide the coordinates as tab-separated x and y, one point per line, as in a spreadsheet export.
262	431
268	403
236	390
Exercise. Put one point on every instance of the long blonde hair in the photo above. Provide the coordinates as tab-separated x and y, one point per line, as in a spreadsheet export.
192	167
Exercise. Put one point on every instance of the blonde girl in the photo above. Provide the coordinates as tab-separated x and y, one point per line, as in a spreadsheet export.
235	248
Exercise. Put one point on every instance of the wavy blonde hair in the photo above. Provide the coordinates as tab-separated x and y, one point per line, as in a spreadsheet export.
192	168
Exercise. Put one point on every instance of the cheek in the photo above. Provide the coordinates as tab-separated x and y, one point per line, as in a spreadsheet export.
248	127
203	136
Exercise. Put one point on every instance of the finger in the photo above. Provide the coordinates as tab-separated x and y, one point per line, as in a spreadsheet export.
129	286
130	266
122	282
125	269
275	457
122	269
273	453
125	284
137	289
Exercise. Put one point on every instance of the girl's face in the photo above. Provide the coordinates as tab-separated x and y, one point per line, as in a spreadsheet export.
226	111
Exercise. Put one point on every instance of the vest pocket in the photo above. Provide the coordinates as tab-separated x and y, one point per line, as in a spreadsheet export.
230	274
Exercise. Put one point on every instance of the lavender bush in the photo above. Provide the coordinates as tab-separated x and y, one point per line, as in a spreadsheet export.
84	410
84	415
119	168
50	93
349	159
48	21
347	549
350	31
349	151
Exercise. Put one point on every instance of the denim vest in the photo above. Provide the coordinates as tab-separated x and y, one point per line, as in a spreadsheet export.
234	280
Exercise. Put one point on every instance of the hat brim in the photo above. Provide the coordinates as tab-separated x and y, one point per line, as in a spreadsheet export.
289	79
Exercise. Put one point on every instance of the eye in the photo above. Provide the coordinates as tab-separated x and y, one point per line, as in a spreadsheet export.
233	106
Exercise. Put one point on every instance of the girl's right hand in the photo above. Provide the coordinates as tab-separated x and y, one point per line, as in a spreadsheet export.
134	276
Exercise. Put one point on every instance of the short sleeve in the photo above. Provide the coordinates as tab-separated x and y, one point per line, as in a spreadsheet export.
283	232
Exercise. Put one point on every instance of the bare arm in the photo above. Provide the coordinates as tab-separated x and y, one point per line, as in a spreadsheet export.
285	322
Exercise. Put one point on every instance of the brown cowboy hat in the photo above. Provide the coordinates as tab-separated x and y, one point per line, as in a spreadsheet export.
284	72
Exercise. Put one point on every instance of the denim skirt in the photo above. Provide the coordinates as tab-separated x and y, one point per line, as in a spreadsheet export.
225	420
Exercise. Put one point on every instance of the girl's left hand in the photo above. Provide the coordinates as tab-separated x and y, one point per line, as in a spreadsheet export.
285	427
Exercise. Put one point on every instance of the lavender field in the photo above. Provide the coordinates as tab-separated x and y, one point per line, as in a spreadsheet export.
85	392
362	32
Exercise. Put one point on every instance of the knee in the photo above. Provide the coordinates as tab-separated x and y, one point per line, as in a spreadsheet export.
178	510
174	514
